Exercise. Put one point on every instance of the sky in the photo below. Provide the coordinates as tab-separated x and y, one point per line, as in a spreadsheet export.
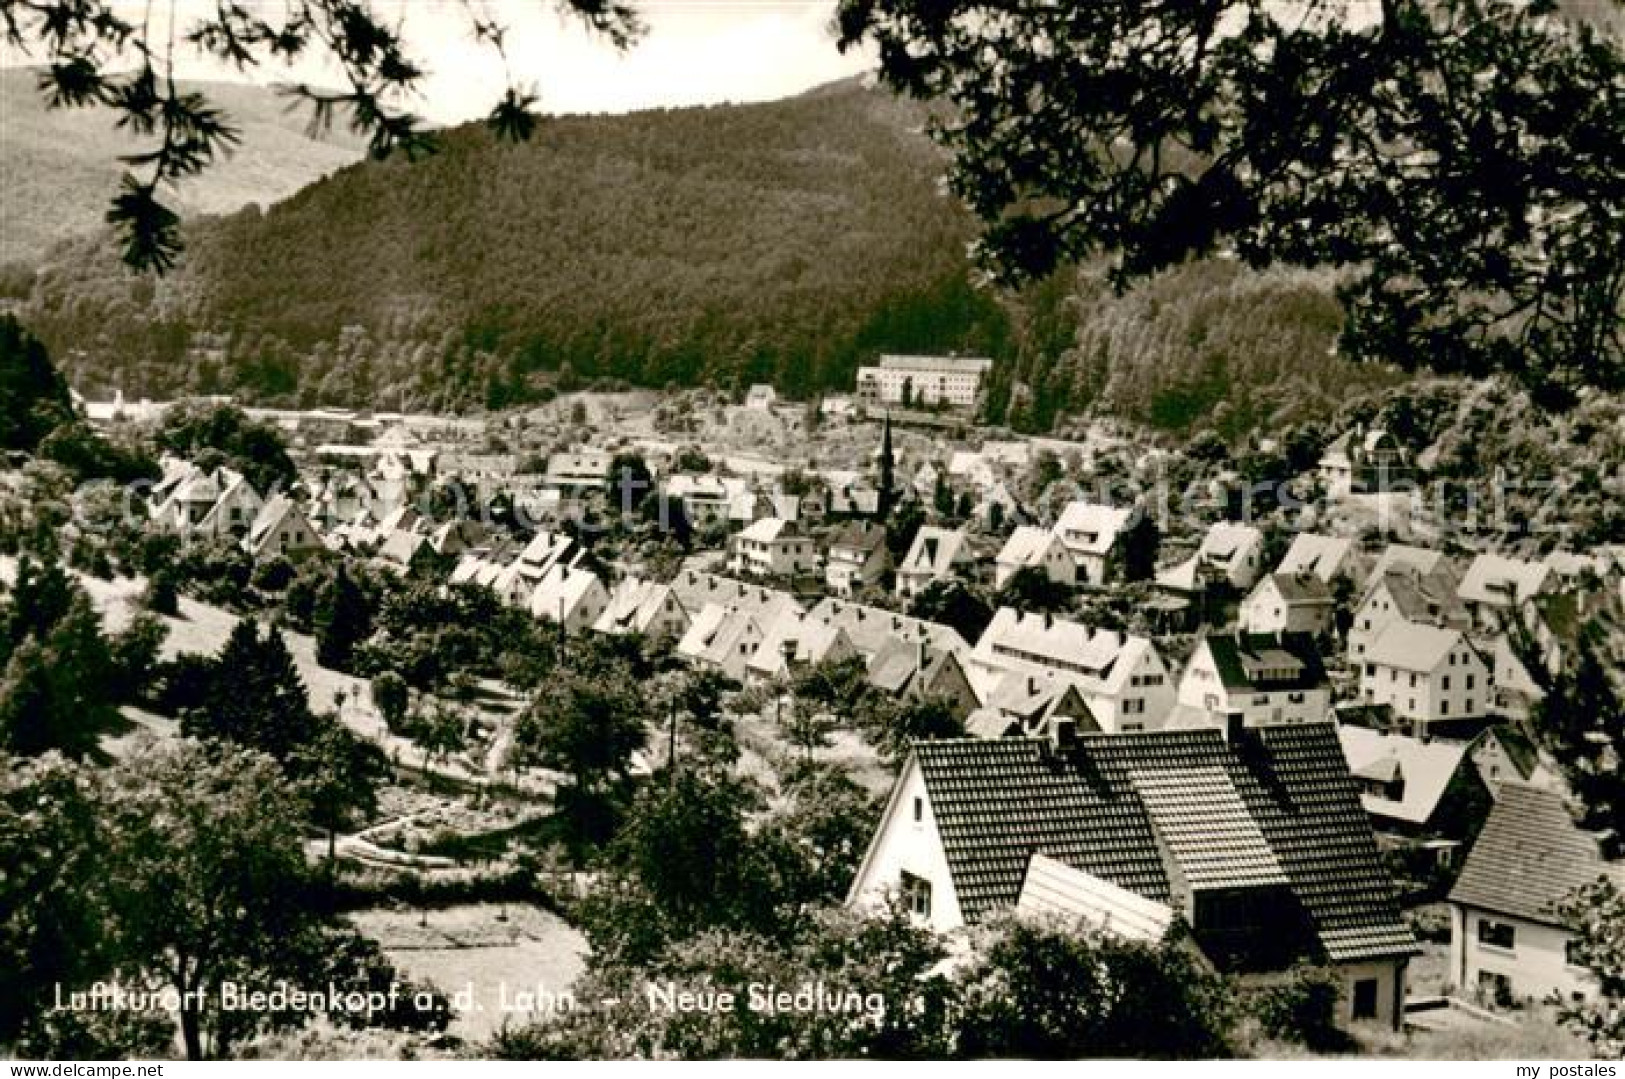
695	52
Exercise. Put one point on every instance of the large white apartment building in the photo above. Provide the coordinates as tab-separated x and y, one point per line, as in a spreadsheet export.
954	381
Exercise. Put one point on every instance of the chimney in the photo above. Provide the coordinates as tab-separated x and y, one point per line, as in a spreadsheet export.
1234	724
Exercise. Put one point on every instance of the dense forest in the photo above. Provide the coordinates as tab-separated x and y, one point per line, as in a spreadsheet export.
785	242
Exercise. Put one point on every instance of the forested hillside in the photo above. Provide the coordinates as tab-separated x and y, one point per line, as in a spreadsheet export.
59	167
1206	344
785	242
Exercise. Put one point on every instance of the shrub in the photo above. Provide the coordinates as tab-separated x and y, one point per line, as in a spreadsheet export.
1302	1009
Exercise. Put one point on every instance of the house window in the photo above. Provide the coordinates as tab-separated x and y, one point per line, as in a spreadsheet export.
1496	934
1365	998
1493	987
1446	681
919	810
1469	681
916	894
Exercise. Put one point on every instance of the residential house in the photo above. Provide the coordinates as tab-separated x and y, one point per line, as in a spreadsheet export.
1432	676
997	507
1027	703
1363	459
1230	554
1288	603
1324	557
936	555
1495	588
403	550
697	590
761	397
1122	677
857	557
1508	940
516	582
1421	560
705	499
280	530
796	641
1266	678
723	639
579	471
1404	594
873	630
1418	789
773	547
648	608
1030	547
569	597
1092	534
1257	839
918	671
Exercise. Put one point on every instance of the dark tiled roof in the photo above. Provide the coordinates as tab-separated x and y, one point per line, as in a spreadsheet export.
1528	856
1098	804
1250	660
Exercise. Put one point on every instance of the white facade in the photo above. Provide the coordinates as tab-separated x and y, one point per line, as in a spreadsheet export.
773	547
906	859
574	598
1091	533
953	381
1268	610
1426	674
1030	547
1122	678
1492	952
1201	687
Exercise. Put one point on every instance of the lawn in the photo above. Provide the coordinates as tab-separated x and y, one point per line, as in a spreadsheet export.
483	956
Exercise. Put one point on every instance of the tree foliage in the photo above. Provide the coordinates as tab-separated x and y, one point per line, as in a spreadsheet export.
1596	913
1041	992
1456	159
33	394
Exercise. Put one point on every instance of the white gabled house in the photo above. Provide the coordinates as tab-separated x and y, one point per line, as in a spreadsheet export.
1093	824
1508	941
1229	553
1429	675
648	608
1033	548
1092	533
280	530
569	597
1266	678
935	555
796	641
773	547
857	557
1495	587
1123	678
722	639
1324	557
1404	594
1288	603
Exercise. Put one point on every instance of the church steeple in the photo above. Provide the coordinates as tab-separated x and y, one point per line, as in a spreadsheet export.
888	466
